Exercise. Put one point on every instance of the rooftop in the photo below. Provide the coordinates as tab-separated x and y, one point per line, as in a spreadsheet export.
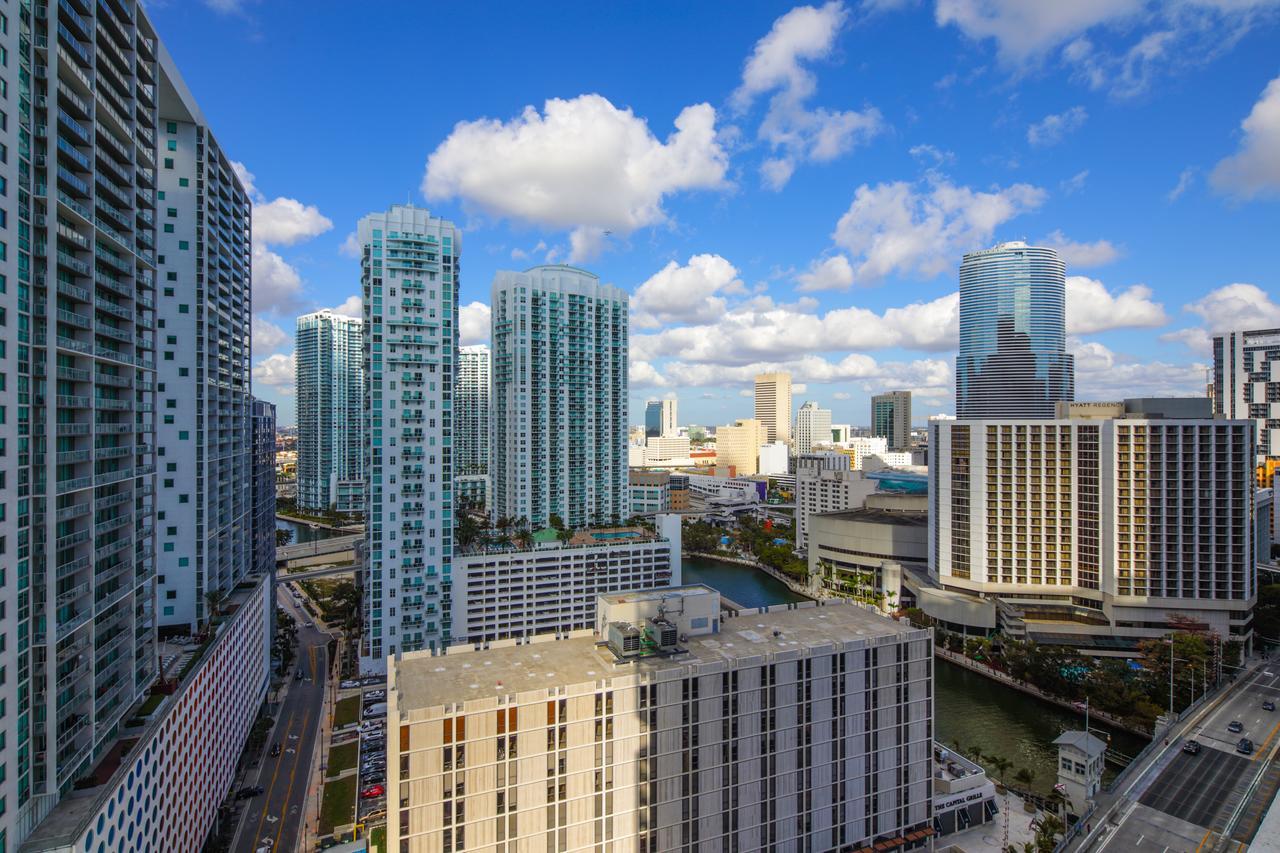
425	680
906	518
1083	741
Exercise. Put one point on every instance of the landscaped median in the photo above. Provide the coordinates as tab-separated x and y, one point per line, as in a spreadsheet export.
346	712
338	807
342	758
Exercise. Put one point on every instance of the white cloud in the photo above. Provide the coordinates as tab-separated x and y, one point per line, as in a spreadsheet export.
1051	129
1105	375
267	336
277	286
1122	45
931	154
1073	254
276	371
1093	308
642	374
921	229
841	395
794	132
1075	183
1228	308
352	306
928	377
1185	177
581	163
585	244
693	293
1254	170
286	221
350	246
473	324
833	273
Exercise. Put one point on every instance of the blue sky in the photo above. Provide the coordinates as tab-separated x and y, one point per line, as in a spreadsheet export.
778	186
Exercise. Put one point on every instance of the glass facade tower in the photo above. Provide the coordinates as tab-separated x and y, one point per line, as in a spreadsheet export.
1013	361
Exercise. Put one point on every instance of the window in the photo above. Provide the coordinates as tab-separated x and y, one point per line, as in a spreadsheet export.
184	309
183	245
171	127
183	435
172	212
168	228
172	145
168	162
183	182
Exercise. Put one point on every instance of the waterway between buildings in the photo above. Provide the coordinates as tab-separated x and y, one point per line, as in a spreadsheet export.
304	532
968	708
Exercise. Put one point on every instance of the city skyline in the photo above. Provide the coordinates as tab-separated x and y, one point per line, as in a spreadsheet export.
952	132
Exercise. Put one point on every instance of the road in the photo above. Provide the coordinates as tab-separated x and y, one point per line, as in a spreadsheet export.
278	812
1214	800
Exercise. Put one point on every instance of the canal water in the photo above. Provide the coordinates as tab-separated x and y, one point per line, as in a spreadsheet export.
305	533
968	708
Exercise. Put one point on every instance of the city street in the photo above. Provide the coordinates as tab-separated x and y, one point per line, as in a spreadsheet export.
277	814
1195	799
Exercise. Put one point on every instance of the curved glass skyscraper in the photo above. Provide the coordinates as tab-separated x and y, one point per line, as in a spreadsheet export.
1013	359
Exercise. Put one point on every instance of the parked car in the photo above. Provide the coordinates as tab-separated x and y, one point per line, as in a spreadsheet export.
1235	726
378	709
248	791
1268	705
1245	746
372	791
275	750
375	694
348	684
1191	747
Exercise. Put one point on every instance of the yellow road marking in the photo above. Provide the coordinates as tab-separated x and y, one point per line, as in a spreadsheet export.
297	754
1262	750
1207	833
270	787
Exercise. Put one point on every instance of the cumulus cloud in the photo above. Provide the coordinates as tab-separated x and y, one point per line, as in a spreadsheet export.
580	164
931	155
1051	129
1093	308
277	286
1105	375
921	229
1075	183
352	306
1073	254
267	336
285	221
833	273
927	377
1224	309
692	293
642	374
1024	31
350	246
1254	170
473	324
277	372
841	395
794	132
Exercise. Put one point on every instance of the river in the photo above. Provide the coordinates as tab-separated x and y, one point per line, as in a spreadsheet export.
305	533
968	708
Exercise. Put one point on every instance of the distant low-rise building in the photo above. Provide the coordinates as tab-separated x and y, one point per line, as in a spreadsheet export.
774	458
826	490
880	540
650	492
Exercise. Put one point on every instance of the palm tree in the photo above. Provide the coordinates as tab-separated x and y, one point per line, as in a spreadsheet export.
1001	764
1024	777
975	753
214	599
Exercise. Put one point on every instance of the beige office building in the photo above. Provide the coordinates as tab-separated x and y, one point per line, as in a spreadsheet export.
739	445
670	727
773	405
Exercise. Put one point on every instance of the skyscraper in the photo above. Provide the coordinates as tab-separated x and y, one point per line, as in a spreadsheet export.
660	418
471	412
891	418
1246	383
409	268
559	397
203	430
738	446
773	405
1013	361
813	426
97	124
264	486
330	377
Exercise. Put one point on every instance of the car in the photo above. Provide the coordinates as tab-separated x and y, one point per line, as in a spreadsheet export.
1268	705
298	675
1191	747
1235	726
348	684
275	750
372	791
1245	746
248	791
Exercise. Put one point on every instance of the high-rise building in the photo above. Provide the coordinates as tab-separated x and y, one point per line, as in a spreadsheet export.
1246	383
738	446
822	486
204	435
670	727
813	426
773	405
660	418
96	124
471	412
409	268
1013	360
1100	528
330	380
891	418
264	486
559	397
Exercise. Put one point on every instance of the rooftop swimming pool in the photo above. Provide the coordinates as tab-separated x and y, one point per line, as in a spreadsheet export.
616	534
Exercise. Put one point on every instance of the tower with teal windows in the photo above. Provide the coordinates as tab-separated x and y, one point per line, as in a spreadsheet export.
409	266
559	397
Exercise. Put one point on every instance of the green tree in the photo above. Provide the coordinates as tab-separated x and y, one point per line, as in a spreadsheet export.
283	537
1024	777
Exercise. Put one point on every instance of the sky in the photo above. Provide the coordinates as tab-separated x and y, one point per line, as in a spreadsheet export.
779	187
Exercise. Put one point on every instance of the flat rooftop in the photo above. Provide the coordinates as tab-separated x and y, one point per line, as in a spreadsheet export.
904	517
425	680
659	594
